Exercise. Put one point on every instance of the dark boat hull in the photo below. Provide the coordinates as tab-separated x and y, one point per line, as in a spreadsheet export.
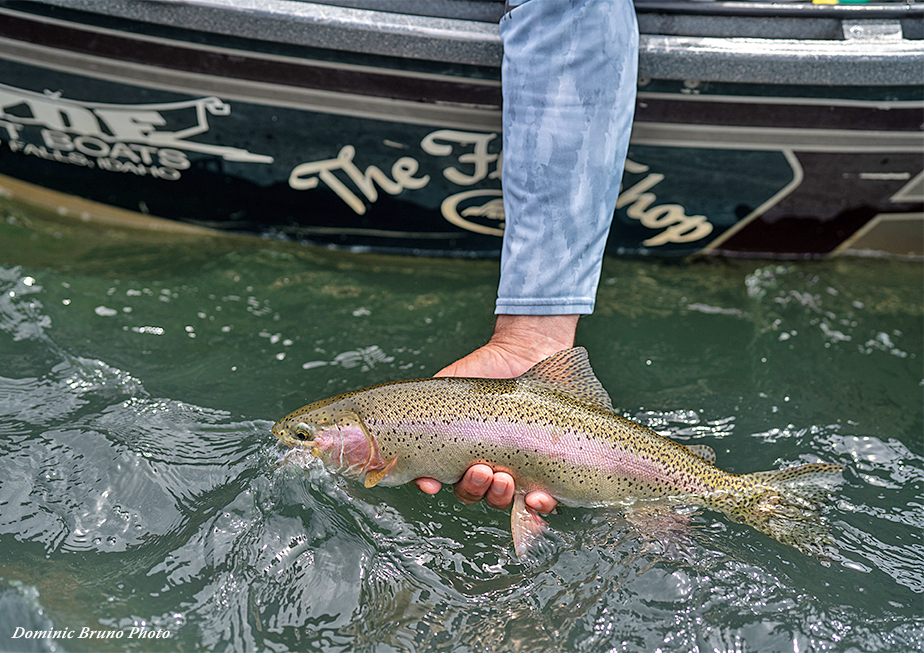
291	135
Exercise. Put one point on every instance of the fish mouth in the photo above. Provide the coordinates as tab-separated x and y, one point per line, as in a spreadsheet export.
282	433
296	434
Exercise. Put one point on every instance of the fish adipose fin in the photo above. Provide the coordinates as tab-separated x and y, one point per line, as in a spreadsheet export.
527	526
785	504
569	372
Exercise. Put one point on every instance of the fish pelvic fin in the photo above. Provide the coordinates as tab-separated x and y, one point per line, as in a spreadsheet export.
784	504
375	476
527	526
569	372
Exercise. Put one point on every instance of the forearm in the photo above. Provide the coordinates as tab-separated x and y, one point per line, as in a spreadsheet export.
569	78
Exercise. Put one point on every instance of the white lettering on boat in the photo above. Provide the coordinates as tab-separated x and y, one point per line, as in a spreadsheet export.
678	227
475	164
438	144
481	210
142	139
478	210
402	177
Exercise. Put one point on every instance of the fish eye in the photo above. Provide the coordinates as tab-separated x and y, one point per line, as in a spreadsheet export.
303	432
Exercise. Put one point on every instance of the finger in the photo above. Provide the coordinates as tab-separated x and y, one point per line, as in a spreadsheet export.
500	495
474	484
428	485
541	501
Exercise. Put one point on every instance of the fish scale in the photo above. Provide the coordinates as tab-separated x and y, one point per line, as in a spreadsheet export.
552	429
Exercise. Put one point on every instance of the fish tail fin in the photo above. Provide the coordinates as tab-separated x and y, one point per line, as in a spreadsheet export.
784	504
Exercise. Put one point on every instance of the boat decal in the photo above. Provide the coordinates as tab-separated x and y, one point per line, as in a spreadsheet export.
402	177
143	139
897	233
913	191
471	163
672	219
465	162
442	143
480	211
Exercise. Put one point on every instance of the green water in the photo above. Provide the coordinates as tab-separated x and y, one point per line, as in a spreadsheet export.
140	375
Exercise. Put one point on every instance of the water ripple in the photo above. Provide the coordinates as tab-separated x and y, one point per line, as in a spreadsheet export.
85	474
122	508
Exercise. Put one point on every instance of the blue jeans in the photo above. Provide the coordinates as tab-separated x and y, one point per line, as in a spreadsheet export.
569	78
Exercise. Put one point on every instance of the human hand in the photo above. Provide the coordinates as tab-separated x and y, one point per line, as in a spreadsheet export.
496	488
518	343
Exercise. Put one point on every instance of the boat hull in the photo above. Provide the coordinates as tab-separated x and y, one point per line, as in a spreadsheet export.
368	150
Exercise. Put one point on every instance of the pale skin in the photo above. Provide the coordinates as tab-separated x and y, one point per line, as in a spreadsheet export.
518	343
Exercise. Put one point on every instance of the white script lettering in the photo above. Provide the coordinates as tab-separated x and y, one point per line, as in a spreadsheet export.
437	144
402	176
678	227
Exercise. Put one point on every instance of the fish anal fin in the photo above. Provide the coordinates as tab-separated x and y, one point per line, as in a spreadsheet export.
569	372
527	526
375	476
702	451
661	525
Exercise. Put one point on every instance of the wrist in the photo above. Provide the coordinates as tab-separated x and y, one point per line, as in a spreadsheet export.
536	334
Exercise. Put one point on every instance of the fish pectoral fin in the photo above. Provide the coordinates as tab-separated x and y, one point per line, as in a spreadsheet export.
374	476
527	526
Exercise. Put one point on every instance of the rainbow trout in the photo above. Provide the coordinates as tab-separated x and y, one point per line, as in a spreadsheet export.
552	429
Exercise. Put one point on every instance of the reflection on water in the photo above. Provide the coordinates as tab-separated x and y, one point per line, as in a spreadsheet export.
139	484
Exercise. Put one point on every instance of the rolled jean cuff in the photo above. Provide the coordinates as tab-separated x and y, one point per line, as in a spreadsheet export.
544	306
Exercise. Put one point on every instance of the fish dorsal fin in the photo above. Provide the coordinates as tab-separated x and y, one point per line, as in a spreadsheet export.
703	451
569	372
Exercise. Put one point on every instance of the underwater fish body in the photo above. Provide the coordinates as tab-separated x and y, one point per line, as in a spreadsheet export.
552	429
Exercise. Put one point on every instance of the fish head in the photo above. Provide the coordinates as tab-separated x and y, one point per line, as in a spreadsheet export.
335	434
